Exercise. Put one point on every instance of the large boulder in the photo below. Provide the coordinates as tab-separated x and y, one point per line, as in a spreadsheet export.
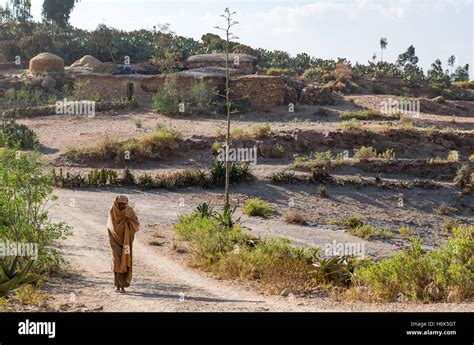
46	62
87	61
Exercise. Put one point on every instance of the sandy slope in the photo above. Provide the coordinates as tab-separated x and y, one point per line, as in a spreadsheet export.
161	283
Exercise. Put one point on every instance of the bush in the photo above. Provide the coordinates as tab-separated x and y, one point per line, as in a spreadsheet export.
378	89
279	71
238	173
26	97
295	217
25	191
14	135
148	146
102	177
405	231
260	131
364	231
257	207
351	125
361	115
230	253
442	275
365	153
167	101
321	192
463	178
202	98
284	176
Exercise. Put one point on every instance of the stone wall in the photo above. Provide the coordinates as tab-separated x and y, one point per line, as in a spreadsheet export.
261	91
112	87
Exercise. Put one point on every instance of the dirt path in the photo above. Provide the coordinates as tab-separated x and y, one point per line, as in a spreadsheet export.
161	283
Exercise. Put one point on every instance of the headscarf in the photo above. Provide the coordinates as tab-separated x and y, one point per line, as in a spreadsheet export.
122	226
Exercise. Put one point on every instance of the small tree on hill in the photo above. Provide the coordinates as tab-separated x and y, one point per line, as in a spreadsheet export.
383	45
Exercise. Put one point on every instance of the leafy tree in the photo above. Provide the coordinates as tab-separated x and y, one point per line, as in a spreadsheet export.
407	57
413	75
437	75
451	62
383	45
461	73
21	9
213	43
58	11
24	193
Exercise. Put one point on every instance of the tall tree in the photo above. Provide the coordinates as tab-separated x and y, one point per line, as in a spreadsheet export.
383	45
451	62
407	57
21	9
58	11
228	36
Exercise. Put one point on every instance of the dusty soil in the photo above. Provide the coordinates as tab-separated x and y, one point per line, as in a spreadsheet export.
162	281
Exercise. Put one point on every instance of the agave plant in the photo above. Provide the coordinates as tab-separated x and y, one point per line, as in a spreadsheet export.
226	217
12	277
336	269
204	210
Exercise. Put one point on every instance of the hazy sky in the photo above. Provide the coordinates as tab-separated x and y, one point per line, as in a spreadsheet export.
326	29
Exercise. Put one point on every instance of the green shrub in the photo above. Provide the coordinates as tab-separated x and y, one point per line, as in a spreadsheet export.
351	125
165	103
238	173
230	253
26	97
279	71
211	240
352	222
102	177
260	131
257	207
442	275
364	231
378	89
463	178
405	231
365	153
361	115
14	135
202	98
26	189
284	176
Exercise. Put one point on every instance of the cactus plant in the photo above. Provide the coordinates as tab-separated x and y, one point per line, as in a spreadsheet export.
12	277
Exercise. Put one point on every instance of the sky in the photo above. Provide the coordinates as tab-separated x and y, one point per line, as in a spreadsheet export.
324	28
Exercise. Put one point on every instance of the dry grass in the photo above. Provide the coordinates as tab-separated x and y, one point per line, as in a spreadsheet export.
295	217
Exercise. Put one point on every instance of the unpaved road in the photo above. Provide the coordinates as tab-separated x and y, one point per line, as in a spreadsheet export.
161	283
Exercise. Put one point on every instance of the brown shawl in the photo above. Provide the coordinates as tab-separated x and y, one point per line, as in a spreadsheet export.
122	226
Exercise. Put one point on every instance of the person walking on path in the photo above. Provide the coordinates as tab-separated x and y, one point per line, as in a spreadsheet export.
122	226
